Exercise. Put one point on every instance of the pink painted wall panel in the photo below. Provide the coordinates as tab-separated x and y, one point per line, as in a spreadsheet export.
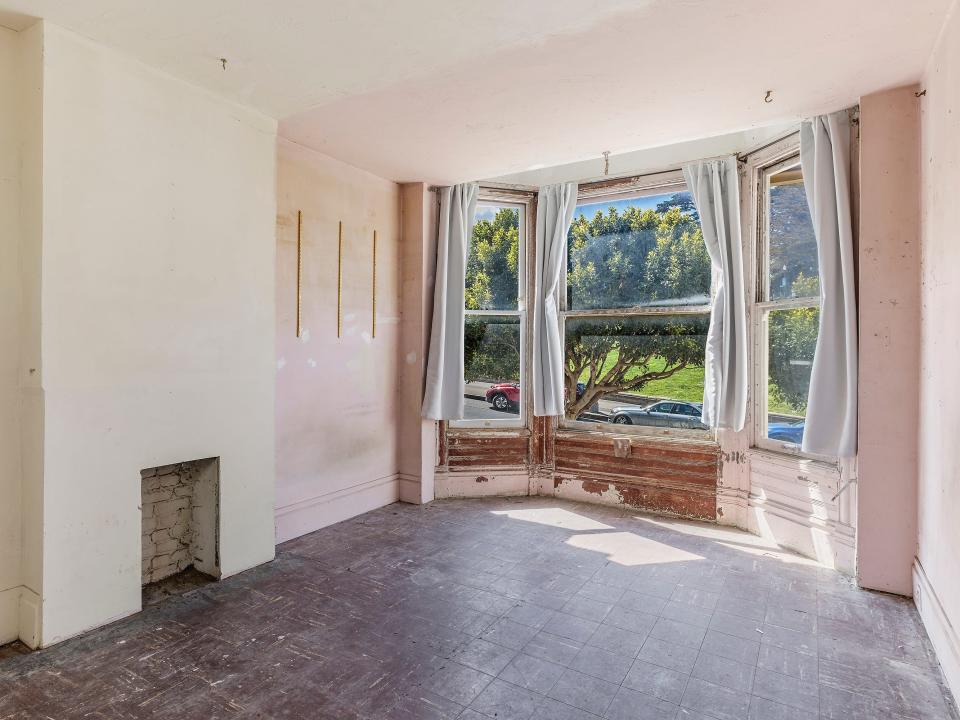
889	294
336	398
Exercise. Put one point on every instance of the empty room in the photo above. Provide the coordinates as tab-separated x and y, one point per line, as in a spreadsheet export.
544	360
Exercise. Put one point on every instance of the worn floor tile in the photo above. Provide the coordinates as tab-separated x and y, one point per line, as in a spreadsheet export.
661	682
532	673
408	612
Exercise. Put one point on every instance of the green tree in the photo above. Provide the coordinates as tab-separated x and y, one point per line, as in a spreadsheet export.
491	281
621	260
492	344
621	354
792	336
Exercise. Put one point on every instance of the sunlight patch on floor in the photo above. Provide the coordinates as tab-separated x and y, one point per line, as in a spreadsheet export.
554	517
626	548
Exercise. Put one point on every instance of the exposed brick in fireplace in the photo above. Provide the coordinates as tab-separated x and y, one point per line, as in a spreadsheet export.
180	506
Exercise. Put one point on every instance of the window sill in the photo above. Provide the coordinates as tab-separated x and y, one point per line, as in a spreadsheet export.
637	435
792	460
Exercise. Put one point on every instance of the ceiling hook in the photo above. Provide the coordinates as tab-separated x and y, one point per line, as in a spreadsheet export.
768	98
606	162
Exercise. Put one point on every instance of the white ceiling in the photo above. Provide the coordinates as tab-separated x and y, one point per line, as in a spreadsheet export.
450	90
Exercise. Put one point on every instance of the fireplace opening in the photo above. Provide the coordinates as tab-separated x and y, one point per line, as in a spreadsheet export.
180	528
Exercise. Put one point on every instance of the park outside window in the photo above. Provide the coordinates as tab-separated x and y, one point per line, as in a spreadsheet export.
494	323
787	307
636	310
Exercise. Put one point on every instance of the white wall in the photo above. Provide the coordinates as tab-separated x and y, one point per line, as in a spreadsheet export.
937	572
158	318
9	337
337	452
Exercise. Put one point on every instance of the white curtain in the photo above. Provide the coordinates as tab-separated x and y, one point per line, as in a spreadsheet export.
555	205
831	425
443	396
715	187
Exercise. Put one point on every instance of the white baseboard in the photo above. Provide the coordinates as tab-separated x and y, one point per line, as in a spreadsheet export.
20	616
305	516
9	614
479	482
410	491
939	627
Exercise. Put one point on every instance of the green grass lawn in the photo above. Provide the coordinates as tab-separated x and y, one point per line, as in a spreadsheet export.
686	384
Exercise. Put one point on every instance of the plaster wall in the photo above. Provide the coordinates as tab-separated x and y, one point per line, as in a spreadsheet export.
418	437
158	318
337	398
9	337
889	313
937	571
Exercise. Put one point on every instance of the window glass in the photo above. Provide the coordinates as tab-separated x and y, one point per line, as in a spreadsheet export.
491	360
791	341
619	369
640	251
792	269
493	261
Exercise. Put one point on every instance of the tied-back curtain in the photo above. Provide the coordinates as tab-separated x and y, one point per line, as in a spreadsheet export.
831	424
555	206
715	187
443	396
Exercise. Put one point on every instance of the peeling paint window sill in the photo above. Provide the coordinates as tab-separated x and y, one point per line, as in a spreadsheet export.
636	437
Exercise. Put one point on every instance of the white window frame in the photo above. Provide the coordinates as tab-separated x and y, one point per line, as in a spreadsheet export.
654	184
491	198
785	155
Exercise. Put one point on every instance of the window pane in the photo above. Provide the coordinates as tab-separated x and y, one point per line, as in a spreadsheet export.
493	262
637	251
793	246
619	369
792	338
491	354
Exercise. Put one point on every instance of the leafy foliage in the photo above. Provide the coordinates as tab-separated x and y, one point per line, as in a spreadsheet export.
793	244
630	259
623	354
792	337
491	282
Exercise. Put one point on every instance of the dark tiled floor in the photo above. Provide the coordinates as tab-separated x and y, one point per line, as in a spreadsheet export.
507	609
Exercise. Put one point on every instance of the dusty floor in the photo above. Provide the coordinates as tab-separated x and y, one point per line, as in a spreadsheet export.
524	608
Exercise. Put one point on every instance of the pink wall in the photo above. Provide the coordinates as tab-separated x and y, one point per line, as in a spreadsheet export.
336	398
418	261
937	573
889	294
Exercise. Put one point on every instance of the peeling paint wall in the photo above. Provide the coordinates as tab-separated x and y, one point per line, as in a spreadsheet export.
336	402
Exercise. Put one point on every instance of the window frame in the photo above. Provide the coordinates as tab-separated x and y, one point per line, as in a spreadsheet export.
785	155
661	183
490	197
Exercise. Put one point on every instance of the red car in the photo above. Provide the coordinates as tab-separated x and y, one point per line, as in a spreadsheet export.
504	396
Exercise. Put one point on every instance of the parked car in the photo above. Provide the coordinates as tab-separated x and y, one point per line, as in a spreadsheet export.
506	396
785	432
666	412
503	396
